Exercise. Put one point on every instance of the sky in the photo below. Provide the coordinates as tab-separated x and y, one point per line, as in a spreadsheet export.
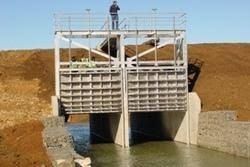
28	24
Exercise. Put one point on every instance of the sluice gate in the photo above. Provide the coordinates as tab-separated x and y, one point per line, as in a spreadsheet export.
139	68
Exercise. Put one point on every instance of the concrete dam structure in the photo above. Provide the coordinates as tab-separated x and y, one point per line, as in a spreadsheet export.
122	81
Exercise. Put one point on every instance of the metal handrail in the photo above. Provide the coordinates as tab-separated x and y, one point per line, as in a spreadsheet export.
144	21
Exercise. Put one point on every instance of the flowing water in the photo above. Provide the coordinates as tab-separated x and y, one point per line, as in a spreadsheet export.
150	154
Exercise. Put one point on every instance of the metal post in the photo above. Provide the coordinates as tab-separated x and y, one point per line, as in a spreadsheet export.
174	40
121	50
136	43
184	51
70	43
70	40
155	39
136	49
109	41
89	36
57	65
156	53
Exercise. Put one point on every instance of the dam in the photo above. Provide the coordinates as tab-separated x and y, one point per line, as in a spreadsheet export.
123	82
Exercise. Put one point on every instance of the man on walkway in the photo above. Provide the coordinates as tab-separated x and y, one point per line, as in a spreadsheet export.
114	15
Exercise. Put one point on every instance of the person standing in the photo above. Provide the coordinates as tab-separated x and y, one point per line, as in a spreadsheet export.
113	10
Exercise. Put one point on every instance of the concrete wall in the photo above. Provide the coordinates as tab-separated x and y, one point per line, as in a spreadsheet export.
55	106
219	131
147	126
183	126
107	128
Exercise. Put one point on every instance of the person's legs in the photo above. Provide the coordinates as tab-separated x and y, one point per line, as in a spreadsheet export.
113	21
117	22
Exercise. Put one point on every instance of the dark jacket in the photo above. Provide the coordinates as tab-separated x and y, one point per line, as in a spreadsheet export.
114	9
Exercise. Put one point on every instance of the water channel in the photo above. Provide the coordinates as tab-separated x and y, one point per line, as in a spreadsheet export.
150	154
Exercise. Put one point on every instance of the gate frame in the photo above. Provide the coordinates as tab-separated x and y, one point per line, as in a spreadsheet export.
173	34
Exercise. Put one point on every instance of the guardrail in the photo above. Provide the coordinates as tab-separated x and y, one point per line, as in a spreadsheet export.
88	21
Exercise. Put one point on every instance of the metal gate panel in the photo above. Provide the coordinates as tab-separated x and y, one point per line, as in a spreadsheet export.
157	89
91	90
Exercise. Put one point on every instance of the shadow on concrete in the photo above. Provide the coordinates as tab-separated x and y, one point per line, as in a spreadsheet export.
103	127
154	126
194	69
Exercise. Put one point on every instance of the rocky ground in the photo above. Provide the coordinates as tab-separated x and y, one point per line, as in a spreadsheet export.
21	146
22	88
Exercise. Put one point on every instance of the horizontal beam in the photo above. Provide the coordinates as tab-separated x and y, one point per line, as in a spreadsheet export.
127	33
90	112
170	64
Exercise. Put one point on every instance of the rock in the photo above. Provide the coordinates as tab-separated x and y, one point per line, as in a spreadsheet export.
60	145
83	162
57	137
52	122
64	163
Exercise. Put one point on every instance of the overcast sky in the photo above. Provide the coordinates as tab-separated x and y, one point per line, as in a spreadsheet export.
29	24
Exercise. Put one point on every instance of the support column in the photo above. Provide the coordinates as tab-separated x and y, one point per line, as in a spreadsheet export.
125	93
125	111
55	106
55	103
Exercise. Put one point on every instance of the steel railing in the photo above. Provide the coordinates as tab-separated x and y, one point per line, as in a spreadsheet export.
127	21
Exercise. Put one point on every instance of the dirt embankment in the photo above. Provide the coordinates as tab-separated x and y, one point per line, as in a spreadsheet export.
224	81
26	84
22	146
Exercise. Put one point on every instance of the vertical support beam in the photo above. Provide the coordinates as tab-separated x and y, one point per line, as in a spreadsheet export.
188	117
57	65
125	110
55	106
175	59
122	50
185	58
136	49
55	102
156	53
125	93
185	50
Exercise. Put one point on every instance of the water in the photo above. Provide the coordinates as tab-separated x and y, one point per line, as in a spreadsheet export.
148	154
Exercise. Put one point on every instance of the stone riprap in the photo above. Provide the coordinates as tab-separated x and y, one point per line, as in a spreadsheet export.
220	131
60	145
53	122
